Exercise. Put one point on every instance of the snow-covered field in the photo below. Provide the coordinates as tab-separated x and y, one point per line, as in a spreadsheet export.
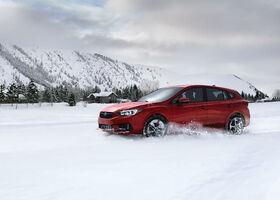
56	153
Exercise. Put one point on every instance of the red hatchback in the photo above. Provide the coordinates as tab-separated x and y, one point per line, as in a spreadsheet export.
209	106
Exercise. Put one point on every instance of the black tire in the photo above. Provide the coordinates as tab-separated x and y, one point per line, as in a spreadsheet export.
156	125
236	124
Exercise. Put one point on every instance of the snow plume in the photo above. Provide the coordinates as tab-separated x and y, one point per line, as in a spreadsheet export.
192	129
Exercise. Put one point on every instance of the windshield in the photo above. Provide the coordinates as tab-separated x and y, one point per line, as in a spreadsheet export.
161	94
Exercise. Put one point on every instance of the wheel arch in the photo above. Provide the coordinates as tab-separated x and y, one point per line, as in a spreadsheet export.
156	114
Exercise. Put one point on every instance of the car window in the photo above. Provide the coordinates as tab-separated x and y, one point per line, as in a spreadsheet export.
230	95
194	94
214	94
226	97
161	94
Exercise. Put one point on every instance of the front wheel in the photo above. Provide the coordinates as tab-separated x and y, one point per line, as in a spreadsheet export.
236	124
155	126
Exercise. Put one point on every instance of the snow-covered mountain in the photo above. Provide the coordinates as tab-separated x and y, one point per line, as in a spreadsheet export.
223	80
55	67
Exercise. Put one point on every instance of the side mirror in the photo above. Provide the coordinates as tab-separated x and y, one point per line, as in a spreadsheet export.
183	100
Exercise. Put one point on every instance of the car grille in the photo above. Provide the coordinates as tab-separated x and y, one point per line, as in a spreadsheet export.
106	127
116	128
106	115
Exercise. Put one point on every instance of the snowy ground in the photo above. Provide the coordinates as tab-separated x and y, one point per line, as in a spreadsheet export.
56	153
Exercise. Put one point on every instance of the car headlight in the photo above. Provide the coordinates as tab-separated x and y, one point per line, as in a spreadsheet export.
129	112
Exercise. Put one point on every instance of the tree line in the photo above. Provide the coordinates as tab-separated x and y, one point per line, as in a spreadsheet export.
19	93
259	95
276	95
132	93
30	93
253	98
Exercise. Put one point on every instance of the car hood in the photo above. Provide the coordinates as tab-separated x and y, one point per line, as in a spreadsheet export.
125	106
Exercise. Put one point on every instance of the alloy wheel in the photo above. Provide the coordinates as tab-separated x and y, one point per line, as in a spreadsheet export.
155	127
236	125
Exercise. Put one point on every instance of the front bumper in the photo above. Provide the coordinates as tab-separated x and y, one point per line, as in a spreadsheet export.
118	128
123	124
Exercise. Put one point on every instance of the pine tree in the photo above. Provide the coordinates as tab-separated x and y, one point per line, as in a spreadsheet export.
21	89
276	95
53	97
12	94
85	95
134	93
139	93
118	93
57	95
72	100
242	95
125	93
2	94
246	96
46	96
96	89
257	96
32	94
64	94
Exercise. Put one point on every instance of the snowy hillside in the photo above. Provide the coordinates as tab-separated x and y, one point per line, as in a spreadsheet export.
56	153
226	80
55	67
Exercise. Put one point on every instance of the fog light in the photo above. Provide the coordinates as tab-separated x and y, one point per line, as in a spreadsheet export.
124	127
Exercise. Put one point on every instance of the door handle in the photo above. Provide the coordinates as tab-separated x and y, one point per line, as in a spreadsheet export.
202	107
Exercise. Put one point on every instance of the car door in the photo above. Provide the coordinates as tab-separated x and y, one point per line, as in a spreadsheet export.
192	111
217	106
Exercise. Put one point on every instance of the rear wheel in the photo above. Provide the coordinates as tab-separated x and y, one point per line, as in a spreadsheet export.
156	125
236	124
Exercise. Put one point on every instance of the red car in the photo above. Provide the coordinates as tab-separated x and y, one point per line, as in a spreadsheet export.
209	106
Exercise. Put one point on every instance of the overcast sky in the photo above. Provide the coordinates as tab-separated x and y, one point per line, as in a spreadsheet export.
239	37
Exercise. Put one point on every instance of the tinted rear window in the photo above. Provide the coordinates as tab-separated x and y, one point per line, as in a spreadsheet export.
230	95
214	94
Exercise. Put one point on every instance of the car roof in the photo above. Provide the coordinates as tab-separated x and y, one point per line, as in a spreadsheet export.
213	86
182	86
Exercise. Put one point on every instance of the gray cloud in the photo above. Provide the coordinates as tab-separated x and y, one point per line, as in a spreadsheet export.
193	36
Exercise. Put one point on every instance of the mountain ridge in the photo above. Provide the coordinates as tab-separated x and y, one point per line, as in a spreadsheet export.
81	69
